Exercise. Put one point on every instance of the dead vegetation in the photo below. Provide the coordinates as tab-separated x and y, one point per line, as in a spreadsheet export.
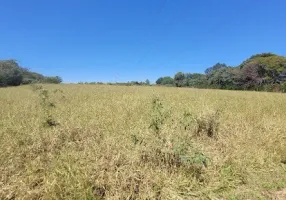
114	142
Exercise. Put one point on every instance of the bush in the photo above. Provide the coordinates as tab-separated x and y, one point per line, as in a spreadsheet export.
53	79
268	88
283	87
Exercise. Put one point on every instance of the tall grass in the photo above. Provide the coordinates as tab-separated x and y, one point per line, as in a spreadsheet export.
118	142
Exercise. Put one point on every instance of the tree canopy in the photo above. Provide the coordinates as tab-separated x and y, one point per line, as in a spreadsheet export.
215	67
167	80
259	72
11	74
265	71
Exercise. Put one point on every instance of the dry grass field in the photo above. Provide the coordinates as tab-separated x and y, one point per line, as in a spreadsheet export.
118	142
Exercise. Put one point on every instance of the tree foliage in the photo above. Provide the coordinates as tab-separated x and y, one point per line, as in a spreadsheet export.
52	79
167	80
11	74
215	67
179	79
266	71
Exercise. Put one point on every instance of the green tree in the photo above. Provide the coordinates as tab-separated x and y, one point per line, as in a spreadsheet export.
274	65
198	80
223	78
215	67
179	79
159	81
31	77
10	73
167	80
147	82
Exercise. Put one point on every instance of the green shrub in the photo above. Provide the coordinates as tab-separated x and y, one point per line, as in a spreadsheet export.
283	87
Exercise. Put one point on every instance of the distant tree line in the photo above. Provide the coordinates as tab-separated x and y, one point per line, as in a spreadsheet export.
130	83
11	74
262	72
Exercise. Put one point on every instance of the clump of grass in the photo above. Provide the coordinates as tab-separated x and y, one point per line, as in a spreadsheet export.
205	124
99	192
208	124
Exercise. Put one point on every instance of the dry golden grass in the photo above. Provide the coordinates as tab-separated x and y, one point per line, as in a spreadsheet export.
116	142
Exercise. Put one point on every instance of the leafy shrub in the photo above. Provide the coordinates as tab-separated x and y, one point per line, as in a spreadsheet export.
268	88
179	156
188	120
283	87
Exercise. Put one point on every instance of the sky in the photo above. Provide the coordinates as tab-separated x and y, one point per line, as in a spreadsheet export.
125	40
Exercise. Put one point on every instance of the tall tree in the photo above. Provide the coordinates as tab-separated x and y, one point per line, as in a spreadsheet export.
10	73
167	80
179	79
252	74
215	67
223	77
147	82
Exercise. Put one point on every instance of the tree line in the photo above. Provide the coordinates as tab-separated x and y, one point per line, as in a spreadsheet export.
262	72
129	83
11	74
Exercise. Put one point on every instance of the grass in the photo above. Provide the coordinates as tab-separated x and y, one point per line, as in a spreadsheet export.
117	142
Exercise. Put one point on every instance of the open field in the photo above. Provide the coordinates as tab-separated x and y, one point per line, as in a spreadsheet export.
116	142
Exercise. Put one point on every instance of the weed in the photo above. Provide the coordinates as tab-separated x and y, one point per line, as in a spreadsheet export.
188	121
47	107
158	116
208	124
180	155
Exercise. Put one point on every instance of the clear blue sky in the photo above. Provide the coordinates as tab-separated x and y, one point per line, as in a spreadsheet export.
123	40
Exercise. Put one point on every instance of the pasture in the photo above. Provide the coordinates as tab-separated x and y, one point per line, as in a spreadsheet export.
118	142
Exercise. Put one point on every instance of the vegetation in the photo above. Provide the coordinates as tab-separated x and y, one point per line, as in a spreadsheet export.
264	72
117	142
11	74
130	83
100	141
